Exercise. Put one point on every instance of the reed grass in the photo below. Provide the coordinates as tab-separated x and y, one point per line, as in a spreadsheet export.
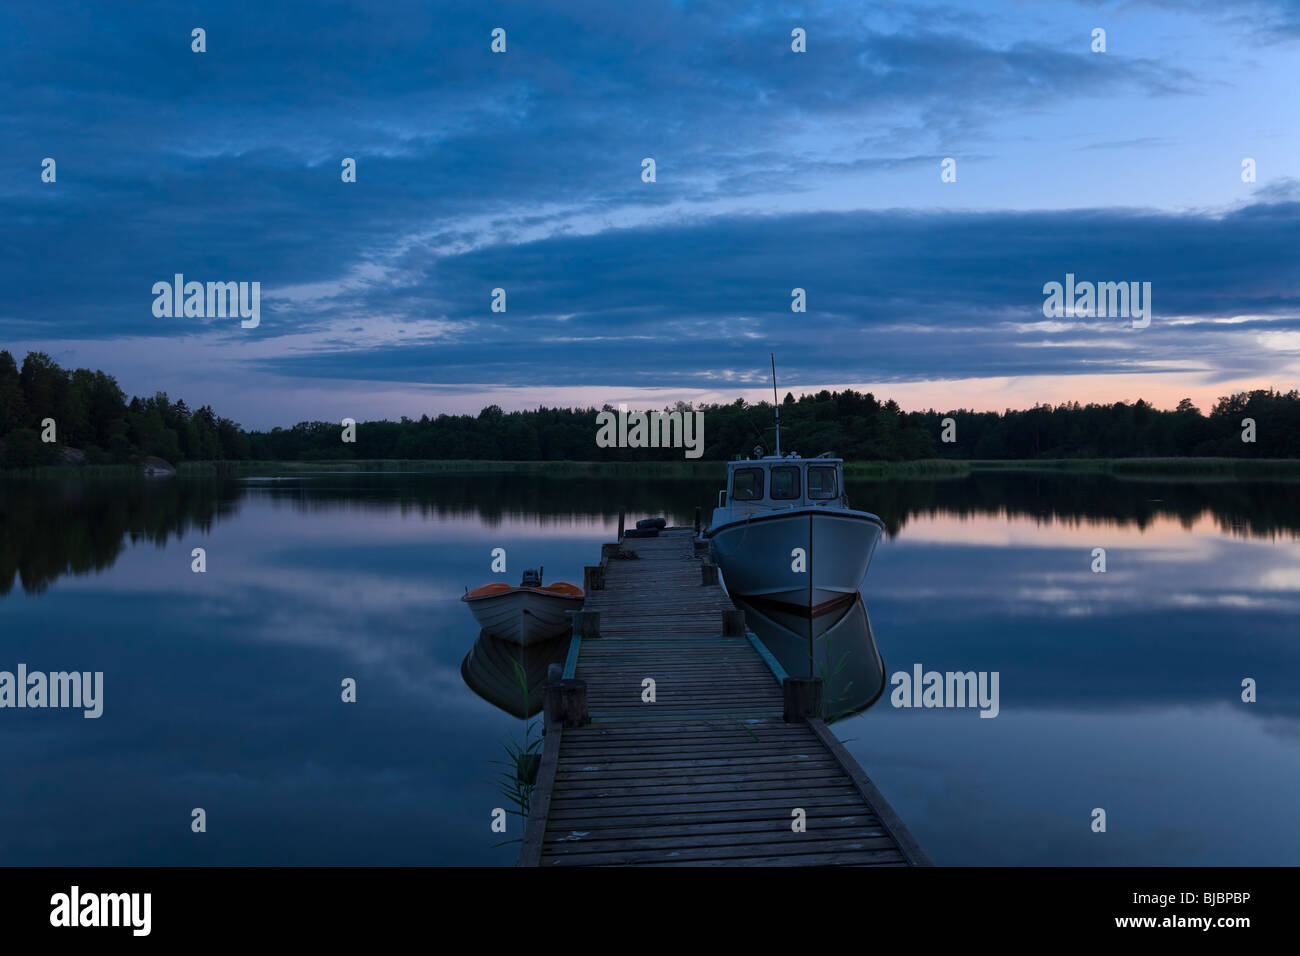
517	781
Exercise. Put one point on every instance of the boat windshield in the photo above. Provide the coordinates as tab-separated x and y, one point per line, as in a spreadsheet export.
785	482
747	484
821	482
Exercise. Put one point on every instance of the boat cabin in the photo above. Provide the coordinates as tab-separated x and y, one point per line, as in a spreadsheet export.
777	483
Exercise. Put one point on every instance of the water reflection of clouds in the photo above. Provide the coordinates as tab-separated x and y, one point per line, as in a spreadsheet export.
1118	689
1049	531
1241	601
339	522
988	562
391	606
368	587
1170	621
1018	790
224	692
1281	579
413	518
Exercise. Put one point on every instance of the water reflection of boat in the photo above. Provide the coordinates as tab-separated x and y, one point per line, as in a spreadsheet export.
510	676
838	647
527	613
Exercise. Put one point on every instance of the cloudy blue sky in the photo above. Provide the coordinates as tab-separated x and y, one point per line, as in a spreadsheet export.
775	170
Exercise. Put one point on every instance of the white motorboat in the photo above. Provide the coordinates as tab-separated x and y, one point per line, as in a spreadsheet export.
783	534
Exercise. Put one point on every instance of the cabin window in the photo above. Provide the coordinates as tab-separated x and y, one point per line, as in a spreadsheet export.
785	483
747	484
821	482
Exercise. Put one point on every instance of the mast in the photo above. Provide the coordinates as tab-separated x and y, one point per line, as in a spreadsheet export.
776	406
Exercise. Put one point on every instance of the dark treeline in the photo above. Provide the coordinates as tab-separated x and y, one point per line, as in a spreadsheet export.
93	416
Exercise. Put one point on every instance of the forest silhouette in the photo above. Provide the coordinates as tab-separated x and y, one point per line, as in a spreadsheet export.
94	417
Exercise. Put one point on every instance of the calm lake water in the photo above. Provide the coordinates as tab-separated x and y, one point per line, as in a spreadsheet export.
1120	690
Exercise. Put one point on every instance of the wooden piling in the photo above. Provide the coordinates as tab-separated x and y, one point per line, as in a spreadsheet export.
586	624
708	574
802	697
565	703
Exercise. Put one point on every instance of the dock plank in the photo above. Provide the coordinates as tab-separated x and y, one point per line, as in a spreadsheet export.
708	774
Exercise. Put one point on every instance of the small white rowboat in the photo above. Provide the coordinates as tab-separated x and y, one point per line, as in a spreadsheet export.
525	614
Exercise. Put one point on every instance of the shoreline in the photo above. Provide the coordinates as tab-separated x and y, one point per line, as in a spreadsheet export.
1228	469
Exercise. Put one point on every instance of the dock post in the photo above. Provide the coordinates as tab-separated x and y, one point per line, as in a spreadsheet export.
565	703
708	574
586	624
593	577
701	547
608	550
733	623
803	698
620	525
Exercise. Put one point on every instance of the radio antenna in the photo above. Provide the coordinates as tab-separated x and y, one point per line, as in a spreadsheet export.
776	406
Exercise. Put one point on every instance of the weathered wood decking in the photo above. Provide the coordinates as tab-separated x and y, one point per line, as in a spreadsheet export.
710	773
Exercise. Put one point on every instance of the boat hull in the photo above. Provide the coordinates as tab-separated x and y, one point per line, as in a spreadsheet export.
524	615
756	556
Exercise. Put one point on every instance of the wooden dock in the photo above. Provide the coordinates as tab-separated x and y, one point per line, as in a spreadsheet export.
710	772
